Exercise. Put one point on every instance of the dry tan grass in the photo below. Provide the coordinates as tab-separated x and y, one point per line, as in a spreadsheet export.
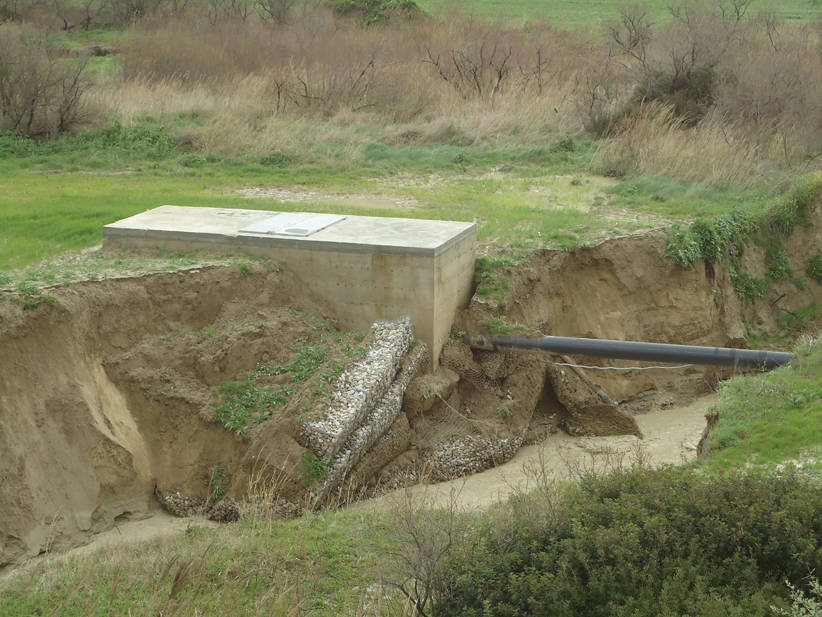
655	142
322	80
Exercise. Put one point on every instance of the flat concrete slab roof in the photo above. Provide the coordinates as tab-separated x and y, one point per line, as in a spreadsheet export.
351	233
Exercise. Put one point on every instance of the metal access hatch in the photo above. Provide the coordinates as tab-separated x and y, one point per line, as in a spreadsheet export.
292	224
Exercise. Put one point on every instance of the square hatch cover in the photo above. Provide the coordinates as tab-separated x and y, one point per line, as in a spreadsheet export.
292	224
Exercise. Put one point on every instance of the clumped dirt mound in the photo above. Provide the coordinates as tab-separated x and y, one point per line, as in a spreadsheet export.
108	394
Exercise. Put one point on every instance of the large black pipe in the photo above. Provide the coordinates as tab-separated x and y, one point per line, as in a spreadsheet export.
632	350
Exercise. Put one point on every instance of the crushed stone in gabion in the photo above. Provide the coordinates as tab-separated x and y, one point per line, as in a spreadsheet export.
375	424
359	388
470	454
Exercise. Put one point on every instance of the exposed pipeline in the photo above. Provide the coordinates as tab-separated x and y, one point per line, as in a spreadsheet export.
635	350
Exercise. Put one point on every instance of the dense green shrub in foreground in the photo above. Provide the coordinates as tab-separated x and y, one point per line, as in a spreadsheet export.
666	542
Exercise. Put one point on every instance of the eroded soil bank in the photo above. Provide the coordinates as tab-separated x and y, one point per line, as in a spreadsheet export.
109	394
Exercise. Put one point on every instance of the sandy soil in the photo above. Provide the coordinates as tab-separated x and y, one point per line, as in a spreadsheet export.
671	436
157	525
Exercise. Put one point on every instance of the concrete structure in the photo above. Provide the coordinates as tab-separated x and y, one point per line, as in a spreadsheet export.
367	268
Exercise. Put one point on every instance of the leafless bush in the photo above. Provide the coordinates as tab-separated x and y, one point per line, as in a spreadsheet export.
217	11
277	11
73	14
9	10
478	72
131	11
40	95
427	536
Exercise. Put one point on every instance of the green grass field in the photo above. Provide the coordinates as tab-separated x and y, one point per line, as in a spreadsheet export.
55	197
594	14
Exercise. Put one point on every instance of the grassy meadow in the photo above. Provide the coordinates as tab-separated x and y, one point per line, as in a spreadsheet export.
531	118
596	13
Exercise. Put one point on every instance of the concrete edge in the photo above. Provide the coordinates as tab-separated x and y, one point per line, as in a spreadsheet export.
267	241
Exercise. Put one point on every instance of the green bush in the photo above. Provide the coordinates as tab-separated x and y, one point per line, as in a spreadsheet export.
666	542
727	235
683	246
796	209
777	263
690	93
814	268
275	158
746	285
713	239
313	468
370	12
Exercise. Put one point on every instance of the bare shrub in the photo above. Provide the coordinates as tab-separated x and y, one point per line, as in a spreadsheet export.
678	65
131	11
747	90
277	11
10	10
217	11
427	537
40	95
73	14
322	63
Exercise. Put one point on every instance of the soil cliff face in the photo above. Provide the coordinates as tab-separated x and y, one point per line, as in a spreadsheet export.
102	397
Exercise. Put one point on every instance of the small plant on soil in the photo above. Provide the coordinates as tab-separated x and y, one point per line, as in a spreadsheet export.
499	325
243	405
307	359
799	317
814	268
777	263
490	284
747	286
30	295
313	468
217	490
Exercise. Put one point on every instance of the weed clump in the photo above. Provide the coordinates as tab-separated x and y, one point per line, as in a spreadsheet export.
814	268
724	236
500	326
777	263
746	285
243	405
796	209
313	468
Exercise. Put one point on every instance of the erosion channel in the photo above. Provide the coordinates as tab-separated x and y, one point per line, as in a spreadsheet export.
108	396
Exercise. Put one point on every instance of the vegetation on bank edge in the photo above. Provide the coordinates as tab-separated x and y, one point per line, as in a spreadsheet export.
724	238
770	420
